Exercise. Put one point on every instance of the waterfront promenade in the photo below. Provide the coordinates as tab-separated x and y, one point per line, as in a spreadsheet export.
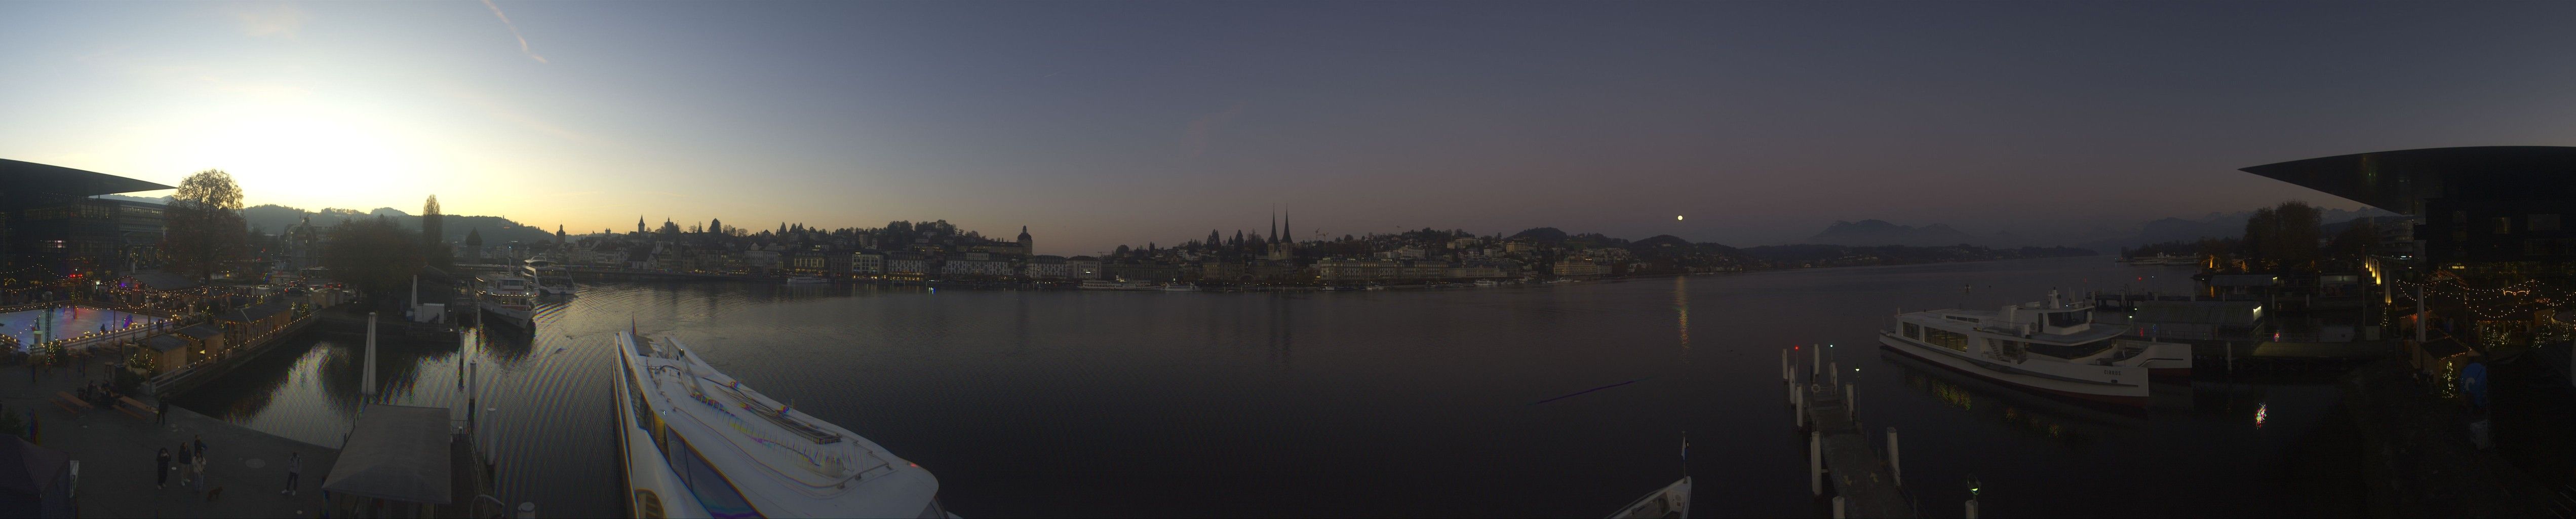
116	450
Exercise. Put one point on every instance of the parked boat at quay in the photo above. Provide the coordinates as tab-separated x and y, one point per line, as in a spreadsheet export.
2049	346
1672	501
807	280
510	296
549	280
1180	287
698	443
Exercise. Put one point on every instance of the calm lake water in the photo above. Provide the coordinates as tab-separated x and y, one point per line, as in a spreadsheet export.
1386	403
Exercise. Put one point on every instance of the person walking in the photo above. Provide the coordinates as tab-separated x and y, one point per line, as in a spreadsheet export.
201	444
161	471
294	468
163	416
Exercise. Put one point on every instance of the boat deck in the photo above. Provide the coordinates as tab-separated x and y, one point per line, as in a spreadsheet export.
1854	468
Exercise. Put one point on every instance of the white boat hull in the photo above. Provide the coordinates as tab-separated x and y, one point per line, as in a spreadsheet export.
2124	385
1672	501
519	316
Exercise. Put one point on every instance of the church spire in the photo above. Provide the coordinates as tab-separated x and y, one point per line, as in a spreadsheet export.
1274	225
1287	235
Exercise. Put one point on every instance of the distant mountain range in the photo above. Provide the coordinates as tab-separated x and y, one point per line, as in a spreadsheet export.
2213	225
272	218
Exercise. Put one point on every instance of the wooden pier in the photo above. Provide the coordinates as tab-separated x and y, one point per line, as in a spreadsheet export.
1842	464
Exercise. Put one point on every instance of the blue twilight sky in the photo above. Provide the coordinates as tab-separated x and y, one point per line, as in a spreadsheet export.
1099	123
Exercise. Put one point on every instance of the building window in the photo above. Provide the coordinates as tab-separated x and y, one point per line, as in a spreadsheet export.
1913	331
2537	247
2544	223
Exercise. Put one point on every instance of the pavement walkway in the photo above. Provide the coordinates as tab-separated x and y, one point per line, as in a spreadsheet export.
116	452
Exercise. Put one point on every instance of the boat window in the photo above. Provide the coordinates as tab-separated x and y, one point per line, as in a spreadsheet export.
2009	349
1946	339
1913	331
710	486
643	409
2065	319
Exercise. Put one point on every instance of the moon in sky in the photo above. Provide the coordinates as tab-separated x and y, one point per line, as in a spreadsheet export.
1677	218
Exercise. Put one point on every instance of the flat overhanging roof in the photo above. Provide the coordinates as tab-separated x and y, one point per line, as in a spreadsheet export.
2396	180
30	176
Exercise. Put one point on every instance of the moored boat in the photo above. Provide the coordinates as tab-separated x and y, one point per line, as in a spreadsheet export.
698	443
1180	287
2051	347
1670	502
1117	285
509	296
807	280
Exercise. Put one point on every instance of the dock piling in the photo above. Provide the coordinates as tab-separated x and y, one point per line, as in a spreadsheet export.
1838	508
1819	360
1895	463
1850	411
1816	463
1972	508
1836	378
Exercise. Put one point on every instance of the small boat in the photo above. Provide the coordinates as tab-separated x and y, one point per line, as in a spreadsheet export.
1488	283
2051	347
698	443
807	280
1180	287
1670	502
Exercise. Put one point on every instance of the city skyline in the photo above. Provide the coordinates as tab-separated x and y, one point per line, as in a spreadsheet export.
1133	123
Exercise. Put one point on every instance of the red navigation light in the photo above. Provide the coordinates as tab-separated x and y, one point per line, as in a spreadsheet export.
1794	347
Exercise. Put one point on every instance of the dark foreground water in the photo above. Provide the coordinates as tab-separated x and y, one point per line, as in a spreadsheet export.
1387	403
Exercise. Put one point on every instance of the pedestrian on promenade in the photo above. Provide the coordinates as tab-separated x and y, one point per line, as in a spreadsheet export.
294	467
164	414
201	444
186	460
200	469
161	470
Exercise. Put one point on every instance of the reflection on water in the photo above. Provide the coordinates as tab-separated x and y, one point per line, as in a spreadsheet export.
2065	423
1052	403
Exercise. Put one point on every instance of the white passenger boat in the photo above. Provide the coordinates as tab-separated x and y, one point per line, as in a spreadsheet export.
698	443
510	297
807	280
1670	502
549	280
1180	287
2050	346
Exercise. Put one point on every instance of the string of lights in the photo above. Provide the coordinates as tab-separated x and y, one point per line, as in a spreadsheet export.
2492	303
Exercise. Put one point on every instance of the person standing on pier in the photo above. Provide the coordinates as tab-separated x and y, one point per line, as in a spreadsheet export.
161	472
294	467
199	470
186	459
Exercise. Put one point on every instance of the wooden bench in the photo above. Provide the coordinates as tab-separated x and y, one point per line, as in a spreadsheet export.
71	403
135	408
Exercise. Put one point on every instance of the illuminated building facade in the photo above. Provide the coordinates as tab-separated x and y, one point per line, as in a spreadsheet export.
51	231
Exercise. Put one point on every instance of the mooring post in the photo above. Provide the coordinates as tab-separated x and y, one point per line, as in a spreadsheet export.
1819	360
1798	400
1836	378
1972	508
1816	463
1784	365
1838	508
1850	412
1895	463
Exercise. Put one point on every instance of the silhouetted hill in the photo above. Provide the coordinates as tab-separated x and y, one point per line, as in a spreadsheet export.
496	230
1548	235
1880	232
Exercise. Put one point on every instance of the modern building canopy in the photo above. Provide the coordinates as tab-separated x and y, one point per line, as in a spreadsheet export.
22	176
2399	181
396	453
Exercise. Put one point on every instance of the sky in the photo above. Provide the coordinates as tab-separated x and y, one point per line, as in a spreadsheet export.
1102	123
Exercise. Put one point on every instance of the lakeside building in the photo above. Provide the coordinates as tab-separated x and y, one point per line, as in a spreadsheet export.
867	263
2496	253
1048	267
1082	267
51	232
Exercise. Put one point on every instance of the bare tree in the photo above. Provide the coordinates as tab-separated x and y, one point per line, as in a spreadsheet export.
204	224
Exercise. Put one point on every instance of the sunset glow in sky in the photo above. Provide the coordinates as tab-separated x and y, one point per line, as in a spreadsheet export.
1103	123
